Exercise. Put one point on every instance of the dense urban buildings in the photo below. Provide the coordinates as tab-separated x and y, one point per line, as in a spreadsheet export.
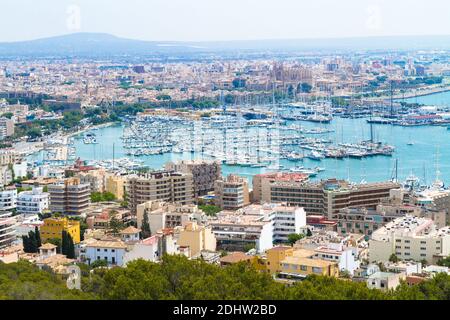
412	238
69	197
325	197
204	173
231	192
167	186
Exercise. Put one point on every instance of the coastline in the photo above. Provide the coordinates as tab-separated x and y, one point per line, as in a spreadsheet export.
419	93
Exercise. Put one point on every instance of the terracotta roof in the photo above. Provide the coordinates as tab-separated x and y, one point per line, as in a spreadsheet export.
130	230
235	257
47	246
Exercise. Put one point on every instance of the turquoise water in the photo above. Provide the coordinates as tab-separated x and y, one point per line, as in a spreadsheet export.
437	99
419	158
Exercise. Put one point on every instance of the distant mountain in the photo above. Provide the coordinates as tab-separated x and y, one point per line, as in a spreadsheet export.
101	44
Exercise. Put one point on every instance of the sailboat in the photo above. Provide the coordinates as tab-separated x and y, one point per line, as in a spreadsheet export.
410	141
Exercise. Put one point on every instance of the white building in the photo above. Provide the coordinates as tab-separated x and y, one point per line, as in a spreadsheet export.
410	238
8	199
130	234
261	225
147	249
32	202
110	250
7	230
385	280
27	223
286	220
346	257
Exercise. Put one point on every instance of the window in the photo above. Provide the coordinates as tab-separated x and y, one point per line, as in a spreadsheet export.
317	270
303	268
98	250
113	260
113	250
106	250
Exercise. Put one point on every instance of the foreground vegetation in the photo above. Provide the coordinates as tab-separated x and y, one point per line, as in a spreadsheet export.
176	277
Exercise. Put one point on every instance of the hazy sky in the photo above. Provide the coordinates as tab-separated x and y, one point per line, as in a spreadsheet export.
223	20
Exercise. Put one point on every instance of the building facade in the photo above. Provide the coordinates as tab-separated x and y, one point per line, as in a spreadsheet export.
7	229
166	186
204	173
410	238
231	193
326	197
32	202
8	199
52	228
69	197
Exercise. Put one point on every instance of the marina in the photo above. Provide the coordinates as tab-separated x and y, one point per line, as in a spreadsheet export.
418	158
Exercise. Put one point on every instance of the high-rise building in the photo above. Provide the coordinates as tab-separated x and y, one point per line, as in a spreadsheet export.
6	128
163	215
32	202
69	197
326	197
166	186
8	199
231	192
410	238
7	229
204	173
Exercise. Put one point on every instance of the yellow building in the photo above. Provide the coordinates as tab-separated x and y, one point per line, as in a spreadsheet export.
197	238
115	185
298	263
53	228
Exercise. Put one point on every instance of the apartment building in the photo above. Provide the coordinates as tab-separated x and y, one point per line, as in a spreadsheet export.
166	186
32	202
231	193
435	199
197	238
297	264
8	199
6	128
52	228
366	221
8	156
7	229
69	197
410	238
204	173
95	178
163	215
326	197
116	185
258	225
264	180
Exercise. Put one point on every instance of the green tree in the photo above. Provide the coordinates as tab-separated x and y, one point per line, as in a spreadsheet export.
294	237
99	263
308	233
57	242
393	258
444	262
37	235
115	225
145	227
210	210
305	87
